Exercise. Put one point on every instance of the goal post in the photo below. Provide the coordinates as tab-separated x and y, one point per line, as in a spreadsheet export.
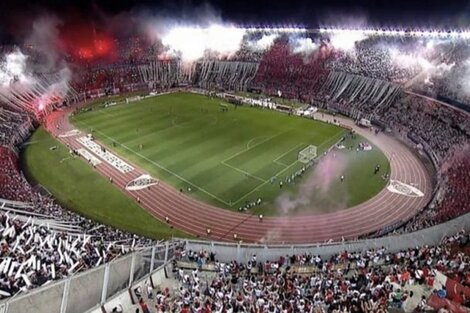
308	154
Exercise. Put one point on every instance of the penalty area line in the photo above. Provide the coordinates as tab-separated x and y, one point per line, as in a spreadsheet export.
243	172
276	160
255	145
161	166
289	166
267	181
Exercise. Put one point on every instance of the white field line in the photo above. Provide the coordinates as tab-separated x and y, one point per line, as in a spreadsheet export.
244	172
261	185
160	166
280	163
284	169
65	159
290	150
336	140
249	148
252	139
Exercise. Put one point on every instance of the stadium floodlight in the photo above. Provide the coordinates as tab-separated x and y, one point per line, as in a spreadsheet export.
394	32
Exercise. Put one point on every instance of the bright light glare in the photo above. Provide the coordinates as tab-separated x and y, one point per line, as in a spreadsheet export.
346	39
192	42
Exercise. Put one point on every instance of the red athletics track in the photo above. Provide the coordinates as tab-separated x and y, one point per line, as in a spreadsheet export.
196	217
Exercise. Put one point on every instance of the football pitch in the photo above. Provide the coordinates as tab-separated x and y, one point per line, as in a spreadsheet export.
223	157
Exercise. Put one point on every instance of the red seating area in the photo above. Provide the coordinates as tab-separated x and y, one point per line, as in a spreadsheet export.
13	186
457	198
294	75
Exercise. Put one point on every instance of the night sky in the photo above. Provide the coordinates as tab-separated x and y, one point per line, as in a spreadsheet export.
16	16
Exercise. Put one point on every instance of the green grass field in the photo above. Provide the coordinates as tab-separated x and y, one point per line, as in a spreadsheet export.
226	158
78	187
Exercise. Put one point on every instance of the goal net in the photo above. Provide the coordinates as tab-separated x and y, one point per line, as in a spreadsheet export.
308	154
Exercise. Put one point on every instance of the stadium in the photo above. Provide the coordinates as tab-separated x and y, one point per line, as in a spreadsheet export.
166	164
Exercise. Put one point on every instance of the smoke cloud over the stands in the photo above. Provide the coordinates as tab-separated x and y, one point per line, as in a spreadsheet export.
36	77
206	33
263	43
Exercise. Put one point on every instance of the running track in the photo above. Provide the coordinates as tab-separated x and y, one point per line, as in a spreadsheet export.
195	217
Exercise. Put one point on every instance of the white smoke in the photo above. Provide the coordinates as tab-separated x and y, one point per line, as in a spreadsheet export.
13	69
192	33
418	61
44	38
192	42
57	90
318	183
262	44
35	82
346	39
304	46
463	80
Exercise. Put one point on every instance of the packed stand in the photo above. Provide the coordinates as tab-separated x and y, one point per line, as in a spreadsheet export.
455	200
374	58
107	79
14	126
34	254
450	81
289	75
426	120
372	281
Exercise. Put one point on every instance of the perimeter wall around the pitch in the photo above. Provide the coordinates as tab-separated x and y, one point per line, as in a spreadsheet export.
226	252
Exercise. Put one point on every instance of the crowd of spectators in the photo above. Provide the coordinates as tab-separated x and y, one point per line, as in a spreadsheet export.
281	70
455	200
32	254
14	126
374	58
107	79
440	129
372	281
281	73
426	120
444	133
